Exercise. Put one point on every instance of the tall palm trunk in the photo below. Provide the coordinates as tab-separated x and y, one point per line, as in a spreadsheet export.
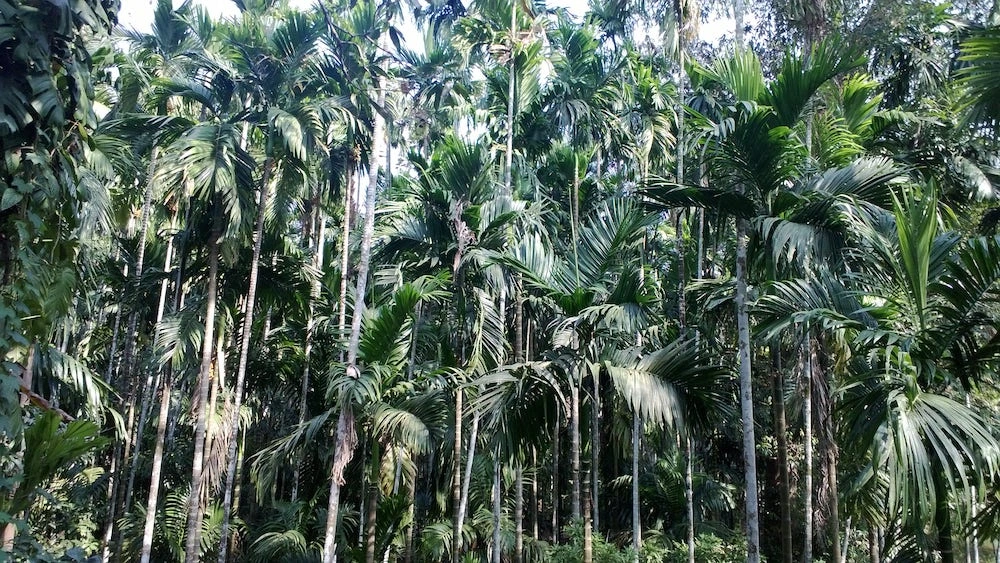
823	403
519	513
346	437
942	517
193	543
152	379
371	512
509	156
807	552
133	431
636	523
781	431
456	480
345	251
154	476
636	439
314	291
497	506
555	477
164	416
574	445
746	395
463	502
595	449
241	369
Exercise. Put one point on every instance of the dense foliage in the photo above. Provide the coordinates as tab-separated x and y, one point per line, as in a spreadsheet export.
281	287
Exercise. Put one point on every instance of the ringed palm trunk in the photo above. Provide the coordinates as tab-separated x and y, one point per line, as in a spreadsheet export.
193	543
519	513
746	396
781	430
808	455
345	251
456	481
636	439
152	379
463	502
320	231
241	369
162	421
497	506
588	534
154	475
160	426
636	523
574	447
134	431
346	437
555	476
371	512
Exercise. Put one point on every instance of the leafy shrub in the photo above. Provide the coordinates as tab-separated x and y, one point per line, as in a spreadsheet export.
710	547
572	552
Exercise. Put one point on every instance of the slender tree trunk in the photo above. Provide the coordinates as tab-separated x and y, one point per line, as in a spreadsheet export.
133	431
823	410
535	501
152	377
746	396
574	446
847	542
192	546
689	494
497	507
345	251
636	450
595	449
164	416
588	535
807	552
155	472
781	431
973	537
873	551
346	438
371	512
151	502
310	330
519	513
456	481
463	503
636	522
241	369
509	155
555	479
408	545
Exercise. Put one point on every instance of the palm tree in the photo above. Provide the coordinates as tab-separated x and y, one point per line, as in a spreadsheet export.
210	158
755	152
454	219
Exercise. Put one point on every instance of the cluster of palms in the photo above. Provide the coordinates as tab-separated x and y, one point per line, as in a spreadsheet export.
324	297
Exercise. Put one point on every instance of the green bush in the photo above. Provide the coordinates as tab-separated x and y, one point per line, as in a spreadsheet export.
572	552
709	547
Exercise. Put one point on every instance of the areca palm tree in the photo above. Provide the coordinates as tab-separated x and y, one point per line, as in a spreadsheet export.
756	148
454	218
